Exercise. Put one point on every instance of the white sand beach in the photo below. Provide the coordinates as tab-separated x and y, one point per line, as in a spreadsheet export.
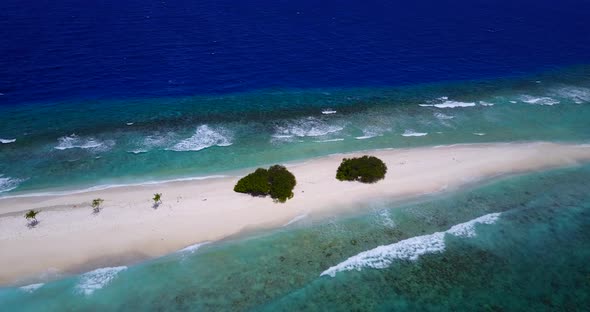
70	238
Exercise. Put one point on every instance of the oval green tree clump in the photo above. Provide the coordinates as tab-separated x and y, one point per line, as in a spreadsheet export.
275	181
366	169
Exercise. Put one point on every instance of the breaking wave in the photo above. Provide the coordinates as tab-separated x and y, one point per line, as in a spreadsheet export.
7	141
371	132
97	279
8	183
31	288
543	100
193	248
577	94
74	141
306	127
446	103
411	133
203	138
408	249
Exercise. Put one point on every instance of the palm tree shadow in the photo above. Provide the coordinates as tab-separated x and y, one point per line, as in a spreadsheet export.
32	224
156	205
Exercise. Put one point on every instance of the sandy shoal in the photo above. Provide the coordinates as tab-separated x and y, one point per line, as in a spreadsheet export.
70	237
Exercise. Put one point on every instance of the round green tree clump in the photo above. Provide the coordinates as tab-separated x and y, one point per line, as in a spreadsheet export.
366	169
255	184
275	181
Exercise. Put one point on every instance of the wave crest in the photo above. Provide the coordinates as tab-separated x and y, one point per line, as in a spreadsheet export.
306	127
7	141
97	279
446	103
411	133
31	288
74	141
543	100
408	249
203	138
8	183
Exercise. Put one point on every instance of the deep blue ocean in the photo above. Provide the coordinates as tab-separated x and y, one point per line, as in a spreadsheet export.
55	50
99	93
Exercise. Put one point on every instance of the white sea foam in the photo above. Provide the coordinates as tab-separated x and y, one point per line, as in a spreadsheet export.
130	123
7	141
386	218
543	100
328	111
296	219
31	288
97	279
442	116
479	133
192	248
449	104
157	140
484	103
371	132
305	127
408	249
8	183
411	133
513	102
203	138
329	140
74	141
138	151
577	94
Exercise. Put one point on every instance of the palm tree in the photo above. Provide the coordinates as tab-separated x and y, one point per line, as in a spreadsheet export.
96	204
157	199
32	215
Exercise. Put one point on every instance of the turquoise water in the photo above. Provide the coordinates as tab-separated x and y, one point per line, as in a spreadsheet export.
519	243
72	145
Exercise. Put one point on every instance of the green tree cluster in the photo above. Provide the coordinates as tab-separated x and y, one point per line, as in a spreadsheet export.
275	181
366	169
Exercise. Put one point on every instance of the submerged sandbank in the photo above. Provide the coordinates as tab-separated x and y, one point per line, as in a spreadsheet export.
70	236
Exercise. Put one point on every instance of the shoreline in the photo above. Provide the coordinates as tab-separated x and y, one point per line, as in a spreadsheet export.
70	238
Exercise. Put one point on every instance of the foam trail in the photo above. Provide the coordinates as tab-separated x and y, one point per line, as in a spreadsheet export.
329	140
328	111
484	103
544	100
408	249
410	133
296	219
305	127
449	104
193	248
7	141
442	116
577	94
138	151
31	288
74	141
479	133
372	132
97	279
8	183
